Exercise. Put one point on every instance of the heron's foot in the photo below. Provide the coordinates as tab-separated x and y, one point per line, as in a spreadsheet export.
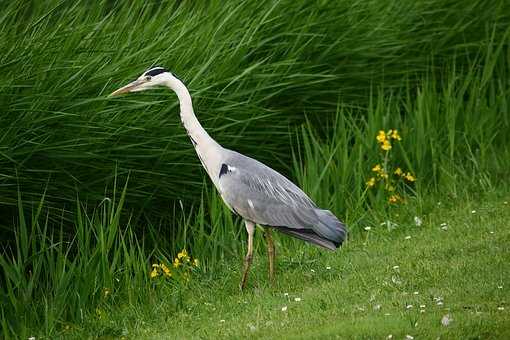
247	264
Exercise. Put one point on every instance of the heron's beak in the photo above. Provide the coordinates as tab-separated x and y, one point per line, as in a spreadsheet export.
128	88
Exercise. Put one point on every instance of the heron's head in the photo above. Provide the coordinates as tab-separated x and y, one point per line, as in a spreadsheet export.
156	76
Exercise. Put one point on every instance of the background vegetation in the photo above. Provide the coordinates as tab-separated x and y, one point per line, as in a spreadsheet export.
93	189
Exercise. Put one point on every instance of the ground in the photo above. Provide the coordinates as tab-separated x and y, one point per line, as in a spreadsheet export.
446	278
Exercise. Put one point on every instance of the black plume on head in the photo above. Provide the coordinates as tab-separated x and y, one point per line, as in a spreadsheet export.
155	71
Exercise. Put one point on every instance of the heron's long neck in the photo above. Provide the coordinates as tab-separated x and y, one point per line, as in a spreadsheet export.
208	150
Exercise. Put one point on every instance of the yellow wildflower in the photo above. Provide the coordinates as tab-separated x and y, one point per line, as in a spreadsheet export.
410	177
177	263
182	254
371	182
154	273
394	135
398	172
383	174
393	199
381	136
106	292
386	145
195	263
166	271
377	168
390	188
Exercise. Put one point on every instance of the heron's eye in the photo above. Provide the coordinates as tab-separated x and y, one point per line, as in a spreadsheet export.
148	78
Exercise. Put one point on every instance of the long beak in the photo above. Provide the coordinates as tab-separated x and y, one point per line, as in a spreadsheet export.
128	88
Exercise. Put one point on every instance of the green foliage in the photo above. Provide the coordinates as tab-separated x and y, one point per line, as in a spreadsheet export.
252	67
304	88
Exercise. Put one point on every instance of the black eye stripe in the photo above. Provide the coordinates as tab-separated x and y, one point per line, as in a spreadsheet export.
155	71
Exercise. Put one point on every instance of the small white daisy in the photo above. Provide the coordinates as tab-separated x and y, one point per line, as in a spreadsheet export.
284	308
408	237
417	221
297	299
446	320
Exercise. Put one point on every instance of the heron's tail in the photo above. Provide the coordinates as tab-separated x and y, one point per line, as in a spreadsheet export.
328	232
330	227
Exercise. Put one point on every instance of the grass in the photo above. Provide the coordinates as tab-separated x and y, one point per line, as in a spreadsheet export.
253	70
94	190
460	272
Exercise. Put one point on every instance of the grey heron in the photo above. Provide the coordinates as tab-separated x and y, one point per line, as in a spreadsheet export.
251	189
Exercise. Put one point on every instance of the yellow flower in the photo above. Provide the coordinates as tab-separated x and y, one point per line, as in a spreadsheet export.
177	263
386	145
390	188
195	263
383	174
377	168
154	273
166	271
398	172
106	292
410	177
371	182
393	199
182	254
394	135
381	136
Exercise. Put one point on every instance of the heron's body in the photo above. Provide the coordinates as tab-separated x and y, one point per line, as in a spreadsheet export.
251	189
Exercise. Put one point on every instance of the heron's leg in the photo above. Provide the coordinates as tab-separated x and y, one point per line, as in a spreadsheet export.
250	228
270	252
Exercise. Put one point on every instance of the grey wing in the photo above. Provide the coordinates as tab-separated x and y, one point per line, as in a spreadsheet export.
262	195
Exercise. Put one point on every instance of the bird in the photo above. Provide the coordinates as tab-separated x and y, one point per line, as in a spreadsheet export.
254	191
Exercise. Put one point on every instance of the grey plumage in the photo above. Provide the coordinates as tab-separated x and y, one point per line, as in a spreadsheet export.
261	195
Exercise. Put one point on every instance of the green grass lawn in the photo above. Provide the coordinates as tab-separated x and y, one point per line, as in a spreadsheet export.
399	281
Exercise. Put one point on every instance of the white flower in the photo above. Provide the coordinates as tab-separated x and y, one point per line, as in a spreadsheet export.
312	270
422	306
297	299
285	294
501	308
396	267
417	221
473	211
445	321
409	306
422	310
444	224
440	303
408	237
252	328
284	308
328	268
367	228
416	293
500	287
222	320
377	307
409	337
389	337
